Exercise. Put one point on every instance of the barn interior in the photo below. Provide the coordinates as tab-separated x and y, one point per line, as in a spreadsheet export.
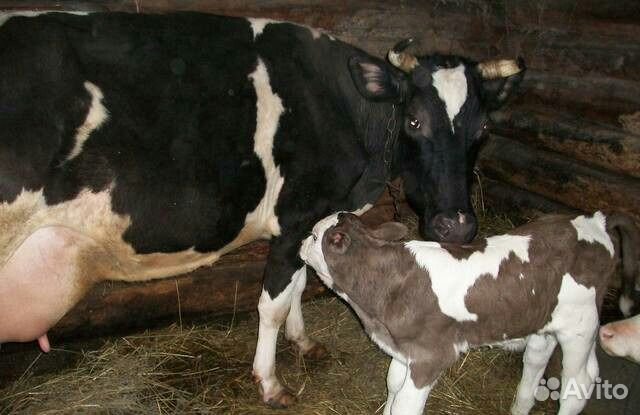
568	141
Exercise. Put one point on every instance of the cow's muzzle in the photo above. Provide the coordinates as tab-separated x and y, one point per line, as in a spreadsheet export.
454	227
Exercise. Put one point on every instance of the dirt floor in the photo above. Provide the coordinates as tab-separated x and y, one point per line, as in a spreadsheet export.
205	369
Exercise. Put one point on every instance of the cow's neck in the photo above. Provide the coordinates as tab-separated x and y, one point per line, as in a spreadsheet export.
379	123
370	120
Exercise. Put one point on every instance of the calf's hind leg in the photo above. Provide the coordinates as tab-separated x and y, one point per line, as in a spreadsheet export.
404	396
579	368
396	376
535	359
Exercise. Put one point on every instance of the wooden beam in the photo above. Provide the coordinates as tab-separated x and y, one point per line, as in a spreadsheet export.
506	197
559	178
597	98
608	147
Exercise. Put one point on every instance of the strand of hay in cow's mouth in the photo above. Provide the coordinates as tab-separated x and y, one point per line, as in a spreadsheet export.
206	369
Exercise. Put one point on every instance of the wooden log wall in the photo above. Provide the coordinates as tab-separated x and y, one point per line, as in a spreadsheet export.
569	140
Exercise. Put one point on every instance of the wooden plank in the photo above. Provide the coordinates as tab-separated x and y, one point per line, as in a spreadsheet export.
605	96
559	178
231	285
506	197
606	146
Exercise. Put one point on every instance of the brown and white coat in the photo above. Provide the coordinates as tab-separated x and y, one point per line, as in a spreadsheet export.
424	303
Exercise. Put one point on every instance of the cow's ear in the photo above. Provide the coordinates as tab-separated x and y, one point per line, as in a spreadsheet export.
390	231
338	241
376	80
496	91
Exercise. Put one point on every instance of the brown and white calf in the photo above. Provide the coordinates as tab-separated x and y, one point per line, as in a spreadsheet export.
425	303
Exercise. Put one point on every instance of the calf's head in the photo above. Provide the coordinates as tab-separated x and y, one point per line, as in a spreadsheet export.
342	241
443	102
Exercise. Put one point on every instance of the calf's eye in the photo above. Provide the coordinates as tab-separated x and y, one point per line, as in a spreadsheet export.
414	123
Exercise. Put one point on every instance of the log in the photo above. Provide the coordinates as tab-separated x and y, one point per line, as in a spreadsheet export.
572	49
611	148
592	97
506	197
559	178
233	284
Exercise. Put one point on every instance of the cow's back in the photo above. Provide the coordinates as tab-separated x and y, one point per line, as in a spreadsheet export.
167	138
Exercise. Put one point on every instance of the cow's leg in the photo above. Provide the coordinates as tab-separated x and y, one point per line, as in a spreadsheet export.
294	328
273	312
536	356
404	397
282	274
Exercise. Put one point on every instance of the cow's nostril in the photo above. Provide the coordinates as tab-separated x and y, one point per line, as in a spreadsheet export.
455	227
441	233
442	226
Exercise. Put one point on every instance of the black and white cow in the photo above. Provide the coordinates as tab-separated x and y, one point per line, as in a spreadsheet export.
138	146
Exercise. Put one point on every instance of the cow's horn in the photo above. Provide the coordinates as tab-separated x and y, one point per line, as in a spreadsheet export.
498	68
406	62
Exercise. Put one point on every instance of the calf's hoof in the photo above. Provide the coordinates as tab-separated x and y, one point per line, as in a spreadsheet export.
278	397
316	352
310	349
281	400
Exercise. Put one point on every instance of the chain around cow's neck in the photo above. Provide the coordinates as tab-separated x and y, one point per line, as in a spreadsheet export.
389	144
389	147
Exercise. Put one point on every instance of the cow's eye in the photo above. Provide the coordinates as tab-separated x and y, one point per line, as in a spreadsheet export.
483	130
314	236
414	123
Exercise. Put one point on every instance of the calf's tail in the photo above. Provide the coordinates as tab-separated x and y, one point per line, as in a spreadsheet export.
630	256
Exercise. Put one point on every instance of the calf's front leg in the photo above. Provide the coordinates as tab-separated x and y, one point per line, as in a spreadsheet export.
535	359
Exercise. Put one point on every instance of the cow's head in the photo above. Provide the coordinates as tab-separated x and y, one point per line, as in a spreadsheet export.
443	102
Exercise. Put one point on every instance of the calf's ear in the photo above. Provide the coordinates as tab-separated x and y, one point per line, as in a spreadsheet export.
376	80
390	231
500	80
338	241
